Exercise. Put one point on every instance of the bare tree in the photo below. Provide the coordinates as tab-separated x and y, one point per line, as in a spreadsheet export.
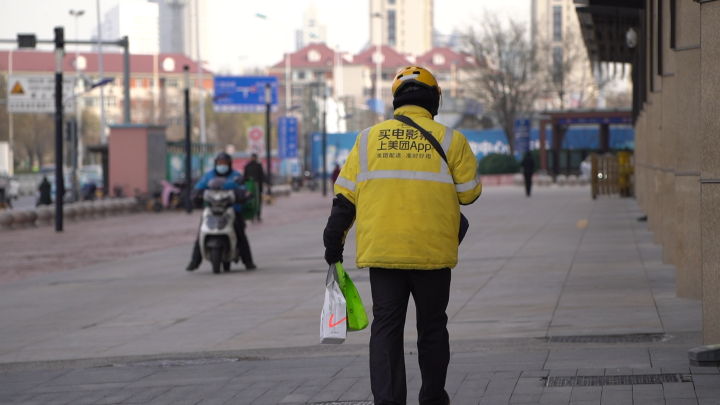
507	77
34	134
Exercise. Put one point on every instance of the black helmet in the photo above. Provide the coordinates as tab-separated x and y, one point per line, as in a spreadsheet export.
223	156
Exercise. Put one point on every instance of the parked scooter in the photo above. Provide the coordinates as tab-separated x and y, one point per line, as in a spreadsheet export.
310	181
218	241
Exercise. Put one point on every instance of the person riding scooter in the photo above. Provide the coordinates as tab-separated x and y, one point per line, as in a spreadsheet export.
223	168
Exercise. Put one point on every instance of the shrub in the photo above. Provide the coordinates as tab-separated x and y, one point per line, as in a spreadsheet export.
496	163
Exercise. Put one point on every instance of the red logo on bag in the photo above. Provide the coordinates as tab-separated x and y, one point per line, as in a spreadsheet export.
332	325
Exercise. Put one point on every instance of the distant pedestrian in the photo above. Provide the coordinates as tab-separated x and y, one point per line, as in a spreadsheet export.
45	189
253	170
406	208
336	173
528	165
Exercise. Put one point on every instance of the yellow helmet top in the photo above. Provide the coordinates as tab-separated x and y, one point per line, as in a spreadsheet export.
414	74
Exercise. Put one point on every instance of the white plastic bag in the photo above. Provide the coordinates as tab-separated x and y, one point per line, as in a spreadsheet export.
333	319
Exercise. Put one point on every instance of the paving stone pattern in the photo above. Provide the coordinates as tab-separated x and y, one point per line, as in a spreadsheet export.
473	378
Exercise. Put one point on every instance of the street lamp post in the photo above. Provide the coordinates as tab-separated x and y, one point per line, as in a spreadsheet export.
201	86
288	67
59	181
188	145
100	71
378	61
77	142
324	140
268	103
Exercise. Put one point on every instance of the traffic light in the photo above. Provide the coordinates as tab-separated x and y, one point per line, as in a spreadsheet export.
27	40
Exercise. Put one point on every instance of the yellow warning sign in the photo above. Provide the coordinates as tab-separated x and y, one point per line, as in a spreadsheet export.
17	89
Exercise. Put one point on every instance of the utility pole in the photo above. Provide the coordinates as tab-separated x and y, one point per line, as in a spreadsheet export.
59	181
268	103
378	61
324	140
201	87
76	144
103	124
188	145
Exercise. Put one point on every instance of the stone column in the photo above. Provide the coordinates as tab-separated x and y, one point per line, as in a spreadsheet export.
687	174
639	160
710	168
668	169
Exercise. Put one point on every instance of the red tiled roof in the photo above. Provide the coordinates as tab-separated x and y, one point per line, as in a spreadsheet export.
301	58
392	58
38	61
447	56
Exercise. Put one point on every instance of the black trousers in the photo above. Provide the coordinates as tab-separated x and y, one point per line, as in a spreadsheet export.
243	245
391	291
528	183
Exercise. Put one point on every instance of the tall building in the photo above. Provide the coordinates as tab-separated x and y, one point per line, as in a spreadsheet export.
172	25
138	19
196	14
404	25
313	31
556	31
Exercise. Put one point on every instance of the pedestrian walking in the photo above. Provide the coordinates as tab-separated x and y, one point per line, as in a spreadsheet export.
404	195
253	170
45	189
528	165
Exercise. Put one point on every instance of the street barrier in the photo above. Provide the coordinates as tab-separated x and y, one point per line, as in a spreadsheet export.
612	174
45	214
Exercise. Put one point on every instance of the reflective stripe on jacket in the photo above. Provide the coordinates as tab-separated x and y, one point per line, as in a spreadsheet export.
407	199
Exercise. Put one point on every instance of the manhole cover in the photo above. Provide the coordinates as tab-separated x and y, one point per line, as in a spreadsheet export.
588	381
178	362
641	338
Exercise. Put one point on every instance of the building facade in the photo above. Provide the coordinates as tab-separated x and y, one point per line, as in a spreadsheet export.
156	82
350	79
406	25
196	28
136	19
313	30
172	26
556	34
673	47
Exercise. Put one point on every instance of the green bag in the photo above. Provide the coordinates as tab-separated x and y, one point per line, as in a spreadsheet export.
250	207
356	316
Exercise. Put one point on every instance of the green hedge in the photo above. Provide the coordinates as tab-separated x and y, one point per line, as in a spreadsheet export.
495	163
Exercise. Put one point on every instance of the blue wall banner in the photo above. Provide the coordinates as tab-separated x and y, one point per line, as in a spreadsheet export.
482	142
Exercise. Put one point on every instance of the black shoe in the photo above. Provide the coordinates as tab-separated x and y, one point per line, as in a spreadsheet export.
193	265
250	266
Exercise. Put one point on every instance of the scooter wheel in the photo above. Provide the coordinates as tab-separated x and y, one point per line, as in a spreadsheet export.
226	266
215	260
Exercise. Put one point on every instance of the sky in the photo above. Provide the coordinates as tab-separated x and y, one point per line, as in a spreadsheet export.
239	40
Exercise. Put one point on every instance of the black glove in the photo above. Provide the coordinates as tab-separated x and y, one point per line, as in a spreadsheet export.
341	219
332	258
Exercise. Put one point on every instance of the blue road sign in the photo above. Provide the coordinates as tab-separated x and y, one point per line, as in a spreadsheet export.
288	137
522	135
244	94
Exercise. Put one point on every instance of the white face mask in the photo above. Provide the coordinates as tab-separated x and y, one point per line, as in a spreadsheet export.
222	169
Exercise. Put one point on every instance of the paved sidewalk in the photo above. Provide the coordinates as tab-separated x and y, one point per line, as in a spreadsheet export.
36	250
557	264
486	377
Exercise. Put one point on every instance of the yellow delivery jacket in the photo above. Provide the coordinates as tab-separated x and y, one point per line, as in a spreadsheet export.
407	198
